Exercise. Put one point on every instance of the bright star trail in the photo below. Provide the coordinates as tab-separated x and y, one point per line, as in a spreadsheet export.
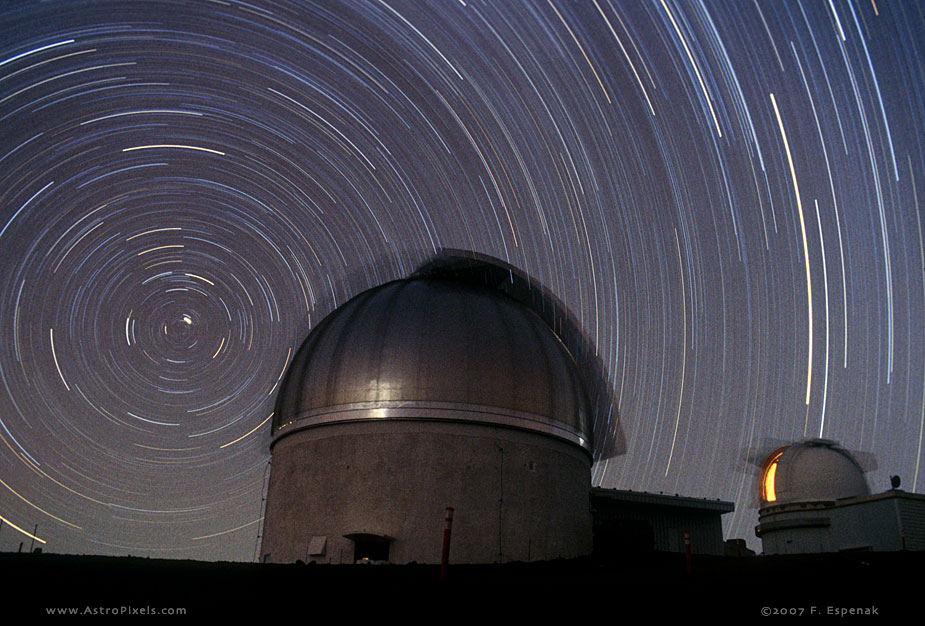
725	194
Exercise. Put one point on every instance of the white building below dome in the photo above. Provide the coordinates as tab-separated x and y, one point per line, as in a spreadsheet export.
814	498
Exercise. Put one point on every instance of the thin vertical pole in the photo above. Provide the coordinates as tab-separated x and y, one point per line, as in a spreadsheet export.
445	559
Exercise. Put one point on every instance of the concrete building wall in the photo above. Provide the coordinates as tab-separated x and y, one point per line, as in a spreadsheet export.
517	495
871	525
911	514
639	522
884	522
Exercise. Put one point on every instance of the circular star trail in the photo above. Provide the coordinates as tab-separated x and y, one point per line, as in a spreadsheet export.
725	194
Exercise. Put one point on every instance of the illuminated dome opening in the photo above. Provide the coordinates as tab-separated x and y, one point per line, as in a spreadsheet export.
769	473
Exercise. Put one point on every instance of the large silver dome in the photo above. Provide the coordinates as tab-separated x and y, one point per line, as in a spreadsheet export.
428	348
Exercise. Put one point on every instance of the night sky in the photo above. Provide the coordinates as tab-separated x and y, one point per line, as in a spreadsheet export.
725	194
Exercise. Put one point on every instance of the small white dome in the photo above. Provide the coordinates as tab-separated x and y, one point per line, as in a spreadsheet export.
817	470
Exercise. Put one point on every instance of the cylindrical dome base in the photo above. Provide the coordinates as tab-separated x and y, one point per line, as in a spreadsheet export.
341	493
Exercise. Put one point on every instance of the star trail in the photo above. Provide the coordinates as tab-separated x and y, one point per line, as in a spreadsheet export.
725	194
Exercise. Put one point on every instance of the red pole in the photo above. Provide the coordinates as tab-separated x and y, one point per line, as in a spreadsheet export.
446	543
687	550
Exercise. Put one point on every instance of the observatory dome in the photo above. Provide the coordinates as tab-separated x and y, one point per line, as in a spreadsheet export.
811	471
436	349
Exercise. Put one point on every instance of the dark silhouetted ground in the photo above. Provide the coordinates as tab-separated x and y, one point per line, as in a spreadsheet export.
654	585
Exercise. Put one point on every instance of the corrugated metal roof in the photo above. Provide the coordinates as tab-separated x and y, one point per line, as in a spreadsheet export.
660	499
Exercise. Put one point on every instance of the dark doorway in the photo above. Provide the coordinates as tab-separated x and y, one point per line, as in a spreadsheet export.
623	536
369	547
